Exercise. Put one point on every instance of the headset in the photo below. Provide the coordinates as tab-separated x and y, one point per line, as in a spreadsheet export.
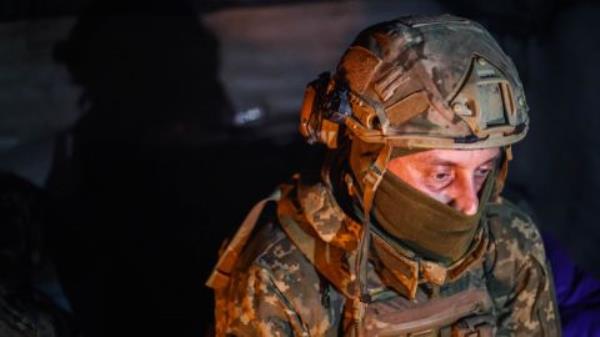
325	107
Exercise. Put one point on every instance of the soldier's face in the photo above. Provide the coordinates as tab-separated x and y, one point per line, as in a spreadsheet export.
453	177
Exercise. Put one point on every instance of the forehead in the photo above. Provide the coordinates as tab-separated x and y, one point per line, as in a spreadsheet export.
466	158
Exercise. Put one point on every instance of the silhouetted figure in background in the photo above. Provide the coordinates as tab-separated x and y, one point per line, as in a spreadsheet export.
140	183
130	229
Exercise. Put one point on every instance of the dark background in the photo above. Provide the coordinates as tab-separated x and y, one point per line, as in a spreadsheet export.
149	128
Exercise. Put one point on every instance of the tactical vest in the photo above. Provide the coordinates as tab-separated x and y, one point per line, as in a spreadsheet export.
466	313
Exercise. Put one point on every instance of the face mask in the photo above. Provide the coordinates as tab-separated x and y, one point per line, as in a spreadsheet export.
430	228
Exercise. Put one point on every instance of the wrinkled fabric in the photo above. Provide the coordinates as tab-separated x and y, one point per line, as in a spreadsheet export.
419	221
282	286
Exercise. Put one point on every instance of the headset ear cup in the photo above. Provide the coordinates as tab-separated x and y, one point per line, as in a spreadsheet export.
309	118
315	124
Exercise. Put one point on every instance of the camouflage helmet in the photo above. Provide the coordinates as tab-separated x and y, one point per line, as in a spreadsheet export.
417	83
420	82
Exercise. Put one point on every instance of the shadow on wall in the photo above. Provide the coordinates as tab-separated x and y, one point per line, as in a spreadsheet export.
150	180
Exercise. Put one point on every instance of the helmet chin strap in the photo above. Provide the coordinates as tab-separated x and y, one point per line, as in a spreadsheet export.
373	177
502	172
370	182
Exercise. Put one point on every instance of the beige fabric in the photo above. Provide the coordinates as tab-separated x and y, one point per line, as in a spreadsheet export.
432	229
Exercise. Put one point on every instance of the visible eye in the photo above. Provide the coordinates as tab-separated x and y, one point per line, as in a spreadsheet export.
482	172
440	178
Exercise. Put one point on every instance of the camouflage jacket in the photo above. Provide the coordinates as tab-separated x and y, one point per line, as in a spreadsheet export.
292	279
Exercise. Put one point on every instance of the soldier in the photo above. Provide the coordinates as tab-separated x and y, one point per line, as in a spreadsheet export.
404	231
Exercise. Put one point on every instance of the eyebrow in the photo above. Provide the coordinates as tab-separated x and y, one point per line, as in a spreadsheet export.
491	160
442	162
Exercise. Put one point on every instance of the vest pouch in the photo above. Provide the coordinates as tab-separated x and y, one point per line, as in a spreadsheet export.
467	313
474	326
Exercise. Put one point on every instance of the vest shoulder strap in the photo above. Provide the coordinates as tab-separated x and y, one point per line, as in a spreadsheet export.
229	255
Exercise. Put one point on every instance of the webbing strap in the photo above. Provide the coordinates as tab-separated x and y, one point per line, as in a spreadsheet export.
370	182
219	278
373	177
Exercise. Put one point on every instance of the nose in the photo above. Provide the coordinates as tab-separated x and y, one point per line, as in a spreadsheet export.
465	196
